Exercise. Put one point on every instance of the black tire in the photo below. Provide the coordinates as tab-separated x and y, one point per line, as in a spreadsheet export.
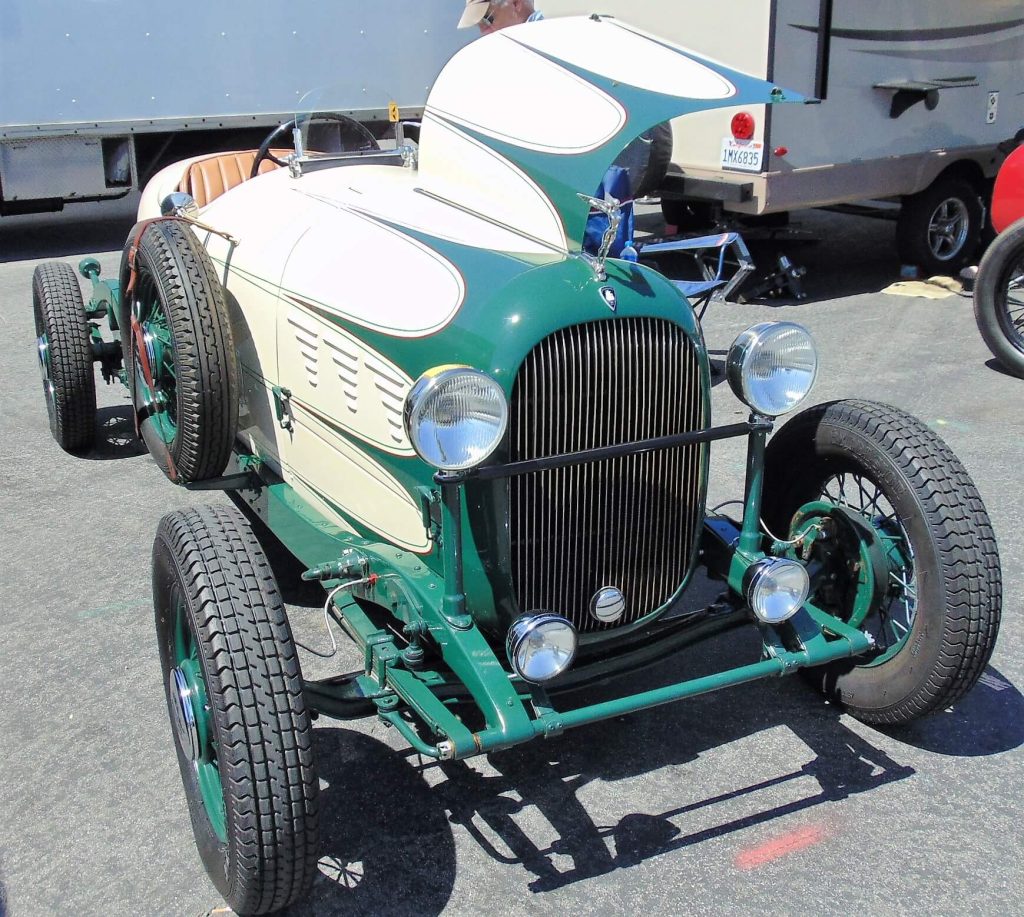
174	273
65	355
936	507
688	216
999	298
939	229
210	575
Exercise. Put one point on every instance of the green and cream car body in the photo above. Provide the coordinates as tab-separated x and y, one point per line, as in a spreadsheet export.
492	447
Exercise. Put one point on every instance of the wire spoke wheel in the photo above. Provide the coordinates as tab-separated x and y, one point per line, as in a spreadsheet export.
999	298
922	578
891	623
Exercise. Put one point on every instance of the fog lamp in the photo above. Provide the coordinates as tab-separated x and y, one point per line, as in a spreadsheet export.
541	646
776	588
455	417
772	366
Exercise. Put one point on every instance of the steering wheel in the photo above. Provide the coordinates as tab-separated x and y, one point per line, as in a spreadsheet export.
368	141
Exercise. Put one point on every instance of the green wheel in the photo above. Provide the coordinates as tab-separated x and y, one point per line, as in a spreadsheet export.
910	557
179	352
242	733
65	355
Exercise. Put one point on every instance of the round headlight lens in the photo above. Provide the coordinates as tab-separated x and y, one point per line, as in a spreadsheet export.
455	417
541	646
776	588
772	365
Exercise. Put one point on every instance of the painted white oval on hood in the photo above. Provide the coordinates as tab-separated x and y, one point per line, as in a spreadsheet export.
507	91
354	267
624	54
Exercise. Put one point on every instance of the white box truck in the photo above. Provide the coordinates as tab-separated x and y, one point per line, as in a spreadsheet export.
916	97
97	96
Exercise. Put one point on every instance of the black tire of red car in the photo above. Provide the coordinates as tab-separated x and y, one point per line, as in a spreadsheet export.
998	309
941	514
65	355
210	570
175	279
939	228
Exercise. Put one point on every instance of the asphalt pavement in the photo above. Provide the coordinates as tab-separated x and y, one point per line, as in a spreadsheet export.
760	799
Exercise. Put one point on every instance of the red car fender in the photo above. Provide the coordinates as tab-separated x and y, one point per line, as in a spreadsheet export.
1008	194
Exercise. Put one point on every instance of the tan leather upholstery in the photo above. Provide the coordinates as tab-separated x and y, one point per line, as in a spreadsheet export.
208	178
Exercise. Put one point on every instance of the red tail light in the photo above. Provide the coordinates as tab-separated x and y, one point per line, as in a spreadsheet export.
742	125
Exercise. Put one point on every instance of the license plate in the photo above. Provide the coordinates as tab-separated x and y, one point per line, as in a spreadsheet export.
744	156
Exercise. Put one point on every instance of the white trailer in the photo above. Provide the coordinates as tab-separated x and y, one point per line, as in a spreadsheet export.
97	96
916	97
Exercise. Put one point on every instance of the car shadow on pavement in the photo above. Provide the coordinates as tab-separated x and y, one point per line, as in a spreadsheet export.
115	435
61	237
549	780
386	844
387	839
989	720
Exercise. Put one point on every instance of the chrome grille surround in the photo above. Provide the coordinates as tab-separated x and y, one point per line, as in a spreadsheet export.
628	522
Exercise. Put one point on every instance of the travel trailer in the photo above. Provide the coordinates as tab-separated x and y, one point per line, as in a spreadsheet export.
915	99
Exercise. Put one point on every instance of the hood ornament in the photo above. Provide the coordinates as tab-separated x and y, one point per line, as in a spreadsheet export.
611	208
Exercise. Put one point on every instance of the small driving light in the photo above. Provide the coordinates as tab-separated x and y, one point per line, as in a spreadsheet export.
179	204
541	646
776	588
455	417
772	366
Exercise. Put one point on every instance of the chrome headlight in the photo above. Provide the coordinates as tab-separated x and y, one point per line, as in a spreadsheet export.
772	365
776	588
455	417
541	646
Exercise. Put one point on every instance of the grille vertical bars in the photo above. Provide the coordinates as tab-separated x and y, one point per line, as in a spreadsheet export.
627	522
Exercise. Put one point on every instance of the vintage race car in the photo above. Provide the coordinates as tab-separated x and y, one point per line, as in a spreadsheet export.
490	446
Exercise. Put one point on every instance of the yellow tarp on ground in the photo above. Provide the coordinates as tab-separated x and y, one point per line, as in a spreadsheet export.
932	288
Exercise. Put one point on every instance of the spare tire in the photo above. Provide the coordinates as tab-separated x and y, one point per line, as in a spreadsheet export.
653	178
646	159
178	351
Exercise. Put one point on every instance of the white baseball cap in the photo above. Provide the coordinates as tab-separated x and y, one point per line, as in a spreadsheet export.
475	11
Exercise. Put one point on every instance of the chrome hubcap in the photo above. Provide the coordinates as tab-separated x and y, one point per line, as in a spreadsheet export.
43	352
947	231
184	716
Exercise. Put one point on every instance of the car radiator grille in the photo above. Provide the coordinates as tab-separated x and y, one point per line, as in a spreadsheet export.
627	522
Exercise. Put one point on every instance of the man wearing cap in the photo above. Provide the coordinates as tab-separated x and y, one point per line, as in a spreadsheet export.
491	15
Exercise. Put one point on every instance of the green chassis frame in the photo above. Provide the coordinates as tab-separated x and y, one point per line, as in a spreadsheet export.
415	699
